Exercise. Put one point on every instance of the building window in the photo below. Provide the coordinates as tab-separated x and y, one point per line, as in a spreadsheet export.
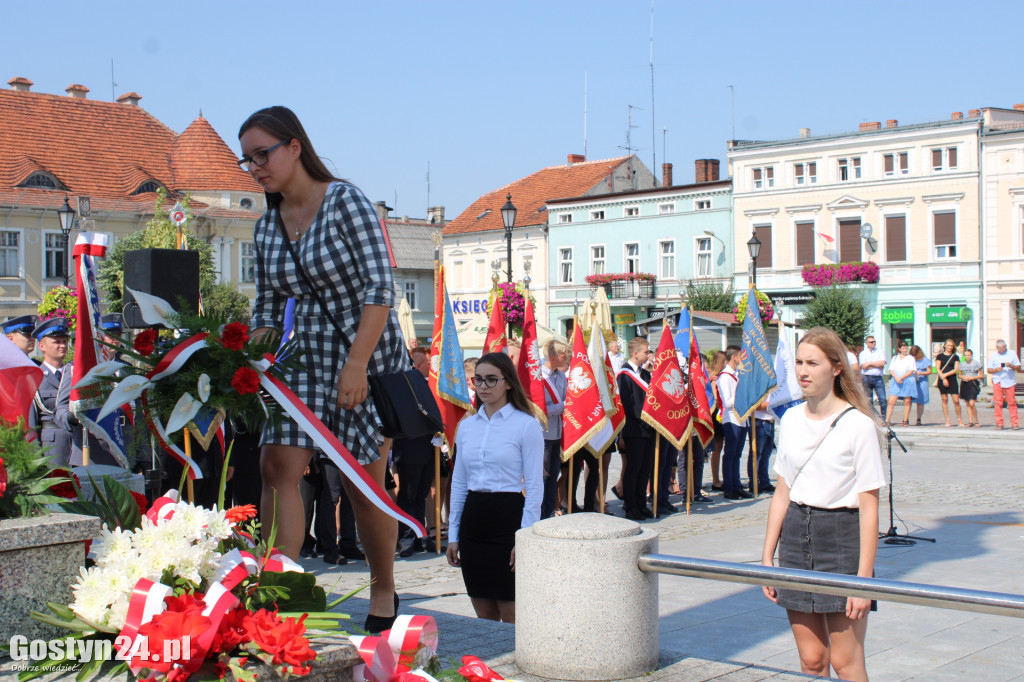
458	275
804	243
479	274
248	270
409	291
849	240
897	164
805	173
565	266
9	254
764	177
632	252
666	208
1021	232
565	217
849	169
944	159
41	180
703	252
667	261
631	211
945	234
246	203
764	234
597	215
54	264
148	186
895	238
597	264
702	205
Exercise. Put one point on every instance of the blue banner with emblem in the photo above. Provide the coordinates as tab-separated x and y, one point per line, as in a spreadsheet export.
755	375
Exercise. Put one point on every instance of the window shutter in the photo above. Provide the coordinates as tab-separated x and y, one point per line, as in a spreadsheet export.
849	240
812	169
888	163
945	229
904	161
799	170
757	174
764	259
936	158
895	238
804	244
769	172
952	157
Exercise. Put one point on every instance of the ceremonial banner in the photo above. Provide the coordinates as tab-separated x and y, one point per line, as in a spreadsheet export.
788	393
19	381
697	391
755	375
529	366
496	341
666	408
598	353
447	376
584	415
683	330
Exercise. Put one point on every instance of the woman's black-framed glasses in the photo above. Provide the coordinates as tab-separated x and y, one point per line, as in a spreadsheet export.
489	382
259	158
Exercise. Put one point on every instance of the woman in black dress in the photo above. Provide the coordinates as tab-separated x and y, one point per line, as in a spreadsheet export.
947	364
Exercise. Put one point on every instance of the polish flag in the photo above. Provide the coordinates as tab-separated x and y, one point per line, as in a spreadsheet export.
529	367
825	237
496	341
19	380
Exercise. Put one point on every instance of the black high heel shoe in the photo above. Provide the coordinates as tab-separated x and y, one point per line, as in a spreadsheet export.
378	624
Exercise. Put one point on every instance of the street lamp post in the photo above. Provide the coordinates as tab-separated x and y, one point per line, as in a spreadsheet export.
66	214
508	217
754	246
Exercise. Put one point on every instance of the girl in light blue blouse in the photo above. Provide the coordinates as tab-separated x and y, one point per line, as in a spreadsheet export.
497	487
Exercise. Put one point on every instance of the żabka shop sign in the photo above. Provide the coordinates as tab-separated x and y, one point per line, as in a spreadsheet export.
897	315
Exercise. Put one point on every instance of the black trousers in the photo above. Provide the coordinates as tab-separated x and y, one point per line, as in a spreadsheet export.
331	494
667	456
639	461
590	499
552	466
577	471
698	466
415	476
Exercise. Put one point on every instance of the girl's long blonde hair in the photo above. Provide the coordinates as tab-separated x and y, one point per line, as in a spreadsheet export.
847	385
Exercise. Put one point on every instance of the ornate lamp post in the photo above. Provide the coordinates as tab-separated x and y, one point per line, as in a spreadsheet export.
508	217
754	246
66	214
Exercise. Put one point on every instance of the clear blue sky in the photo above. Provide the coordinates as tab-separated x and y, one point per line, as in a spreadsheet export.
488	91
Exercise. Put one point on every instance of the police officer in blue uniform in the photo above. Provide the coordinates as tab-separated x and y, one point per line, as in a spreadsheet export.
52	338
19	331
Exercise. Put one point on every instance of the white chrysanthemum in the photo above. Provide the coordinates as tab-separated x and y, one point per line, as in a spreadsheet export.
112	545
189	520
90	579
118	613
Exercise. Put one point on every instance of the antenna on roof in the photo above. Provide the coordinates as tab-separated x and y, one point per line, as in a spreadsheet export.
428	188
113	84
584	114
654	153
629	127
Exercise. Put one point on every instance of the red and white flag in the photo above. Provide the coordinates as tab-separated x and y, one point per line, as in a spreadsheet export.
826	237
19	381
666	408
697	393
606	387
529	367
584	415
496	341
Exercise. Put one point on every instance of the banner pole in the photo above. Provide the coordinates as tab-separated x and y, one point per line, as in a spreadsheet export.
753	449
85	446
600	483
569	492
689	474
657	454
437	499
188	479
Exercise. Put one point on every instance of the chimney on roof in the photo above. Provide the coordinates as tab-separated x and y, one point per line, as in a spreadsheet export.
1018	107
805	132
77	91
575	158
892	123
707	170
666	175
130	98
20	84
870	125
957	116
435	215
382	209
974	113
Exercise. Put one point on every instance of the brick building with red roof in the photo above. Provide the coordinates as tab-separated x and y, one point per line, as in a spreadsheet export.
117	155
476	239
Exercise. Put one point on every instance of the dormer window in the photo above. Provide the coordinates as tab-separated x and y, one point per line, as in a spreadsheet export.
42	180
147	186
248	204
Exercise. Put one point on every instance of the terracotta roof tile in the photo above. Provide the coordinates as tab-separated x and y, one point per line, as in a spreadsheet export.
530	194
107	150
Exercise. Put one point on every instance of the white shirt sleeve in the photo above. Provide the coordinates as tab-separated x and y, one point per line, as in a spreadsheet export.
533	472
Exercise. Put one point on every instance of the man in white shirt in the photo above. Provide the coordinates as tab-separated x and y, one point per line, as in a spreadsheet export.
555	387
735	431
615	357
1003	365
872	365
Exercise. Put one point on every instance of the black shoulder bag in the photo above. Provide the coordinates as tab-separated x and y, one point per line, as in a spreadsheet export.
404	403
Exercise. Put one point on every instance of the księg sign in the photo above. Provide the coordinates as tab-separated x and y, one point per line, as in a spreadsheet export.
469	306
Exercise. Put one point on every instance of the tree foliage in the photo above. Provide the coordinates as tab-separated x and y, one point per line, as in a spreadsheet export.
159	233
711	297
224	300
840	309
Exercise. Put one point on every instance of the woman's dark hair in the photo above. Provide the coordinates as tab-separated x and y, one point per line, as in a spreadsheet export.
282	123
516	394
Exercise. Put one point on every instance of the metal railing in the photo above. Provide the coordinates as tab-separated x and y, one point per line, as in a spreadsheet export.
979	601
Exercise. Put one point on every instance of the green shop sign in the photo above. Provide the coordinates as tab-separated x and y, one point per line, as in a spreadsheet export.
948	314
897	315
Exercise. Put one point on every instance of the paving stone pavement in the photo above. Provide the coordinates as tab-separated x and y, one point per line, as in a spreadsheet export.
971	503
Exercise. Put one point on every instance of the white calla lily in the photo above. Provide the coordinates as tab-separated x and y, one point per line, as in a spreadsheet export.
154	310
126	390
203	388
185	409
103	369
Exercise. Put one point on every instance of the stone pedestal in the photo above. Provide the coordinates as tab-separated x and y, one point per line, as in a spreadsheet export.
39	560
584	611
132	481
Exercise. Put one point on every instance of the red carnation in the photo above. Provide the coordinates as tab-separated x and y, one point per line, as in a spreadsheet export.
141	501
145	342
235	628
246	380
65	488
235	335
283	640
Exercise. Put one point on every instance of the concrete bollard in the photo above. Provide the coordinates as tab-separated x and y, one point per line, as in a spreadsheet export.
584	611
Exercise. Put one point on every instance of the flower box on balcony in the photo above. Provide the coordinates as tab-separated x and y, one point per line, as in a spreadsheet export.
840	273
624	284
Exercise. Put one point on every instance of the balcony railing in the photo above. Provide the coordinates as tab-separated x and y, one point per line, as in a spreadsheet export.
626	289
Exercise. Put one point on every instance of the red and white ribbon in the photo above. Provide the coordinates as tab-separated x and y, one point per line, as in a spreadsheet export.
163	507
177	357
157	429
410	643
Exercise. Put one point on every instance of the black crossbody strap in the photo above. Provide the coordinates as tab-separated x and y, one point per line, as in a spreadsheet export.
831	428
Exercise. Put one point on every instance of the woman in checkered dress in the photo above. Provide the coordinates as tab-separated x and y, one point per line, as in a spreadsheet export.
338	238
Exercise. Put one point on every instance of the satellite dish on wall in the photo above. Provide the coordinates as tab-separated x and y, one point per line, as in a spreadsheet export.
865	230
871	246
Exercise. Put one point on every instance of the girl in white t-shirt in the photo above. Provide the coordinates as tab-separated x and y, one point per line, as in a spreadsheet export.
824	513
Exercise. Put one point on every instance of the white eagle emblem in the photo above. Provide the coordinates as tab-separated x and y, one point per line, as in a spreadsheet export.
533	362
579	381
673	384
435	364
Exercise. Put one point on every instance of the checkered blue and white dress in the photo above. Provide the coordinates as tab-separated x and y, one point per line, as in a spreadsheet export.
345	256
